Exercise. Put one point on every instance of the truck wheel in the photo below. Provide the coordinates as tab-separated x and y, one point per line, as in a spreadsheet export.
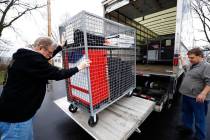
91	121
72	108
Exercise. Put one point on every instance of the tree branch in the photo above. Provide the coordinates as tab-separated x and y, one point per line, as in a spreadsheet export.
25	5
204	27
204	23
22	13
203	15
207	26
1	11
201	40
5	12
198	9
207	4
4	2
18	7
5	41
206	18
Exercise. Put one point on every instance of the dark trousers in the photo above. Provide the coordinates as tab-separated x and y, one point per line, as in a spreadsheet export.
195	113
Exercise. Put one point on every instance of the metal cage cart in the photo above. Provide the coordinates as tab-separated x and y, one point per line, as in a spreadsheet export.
111	48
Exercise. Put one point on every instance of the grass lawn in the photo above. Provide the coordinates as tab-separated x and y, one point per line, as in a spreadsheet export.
1	77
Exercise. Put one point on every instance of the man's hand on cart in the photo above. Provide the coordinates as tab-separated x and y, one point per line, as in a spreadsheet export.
84	64
182	60
63	44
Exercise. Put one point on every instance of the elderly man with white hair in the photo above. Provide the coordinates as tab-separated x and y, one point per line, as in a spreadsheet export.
25	87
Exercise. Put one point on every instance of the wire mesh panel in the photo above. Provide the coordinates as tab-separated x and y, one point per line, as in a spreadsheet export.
111	48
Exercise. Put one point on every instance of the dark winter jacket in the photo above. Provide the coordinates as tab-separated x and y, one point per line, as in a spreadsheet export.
25	86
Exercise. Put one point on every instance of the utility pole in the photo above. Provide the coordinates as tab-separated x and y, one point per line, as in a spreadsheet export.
49	33
49	17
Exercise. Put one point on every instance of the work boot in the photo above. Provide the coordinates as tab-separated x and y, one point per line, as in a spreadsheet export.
196	138
184	130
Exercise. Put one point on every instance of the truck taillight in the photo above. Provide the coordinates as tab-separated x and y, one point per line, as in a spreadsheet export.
175	61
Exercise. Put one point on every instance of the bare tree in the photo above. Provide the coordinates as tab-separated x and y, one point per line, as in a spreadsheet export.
202	9
12	10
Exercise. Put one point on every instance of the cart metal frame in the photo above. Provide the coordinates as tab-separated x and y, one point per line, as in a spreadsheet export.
126	54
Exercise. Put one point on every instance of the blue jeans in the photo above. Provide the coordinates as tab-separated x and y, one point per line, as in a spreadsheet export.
16	131
194	112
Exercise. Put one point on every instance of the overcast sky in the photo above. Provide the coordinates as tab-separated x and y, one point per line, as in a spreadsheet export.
29	27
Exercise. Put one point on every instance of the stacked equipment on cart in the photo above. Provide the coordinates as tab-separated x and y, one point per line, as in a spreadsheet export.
111	48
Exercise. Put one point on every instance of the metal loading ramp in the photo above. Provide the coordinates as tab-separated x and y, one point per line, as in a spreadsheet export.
117	122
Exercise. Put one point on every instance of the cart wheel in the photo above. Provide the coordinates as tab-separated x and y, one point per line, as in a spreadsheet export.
72	108
169	104
130	94
91	121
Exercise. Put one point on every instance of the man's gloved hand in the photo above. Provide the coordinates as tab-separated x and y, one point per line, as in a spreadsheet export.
64	44
84	64
182	60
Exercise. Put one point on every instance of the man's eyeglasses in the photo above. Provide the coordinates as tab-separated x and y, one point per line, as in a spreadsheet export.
48	51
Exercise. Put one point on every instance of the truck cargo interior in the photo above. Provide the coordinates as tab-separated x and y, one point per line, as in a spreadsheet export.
155	24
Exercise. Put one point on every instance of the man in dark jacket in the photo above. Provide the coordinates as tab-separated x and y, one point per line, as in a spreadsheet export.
25	87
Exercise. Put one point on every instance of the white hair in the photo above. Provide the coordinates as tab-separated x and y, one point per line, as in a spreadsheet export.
44	42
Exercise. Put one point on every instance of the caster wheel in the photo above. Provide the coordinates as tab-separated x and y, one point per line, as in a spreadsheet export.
130	94
91	121
169	104
72	108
